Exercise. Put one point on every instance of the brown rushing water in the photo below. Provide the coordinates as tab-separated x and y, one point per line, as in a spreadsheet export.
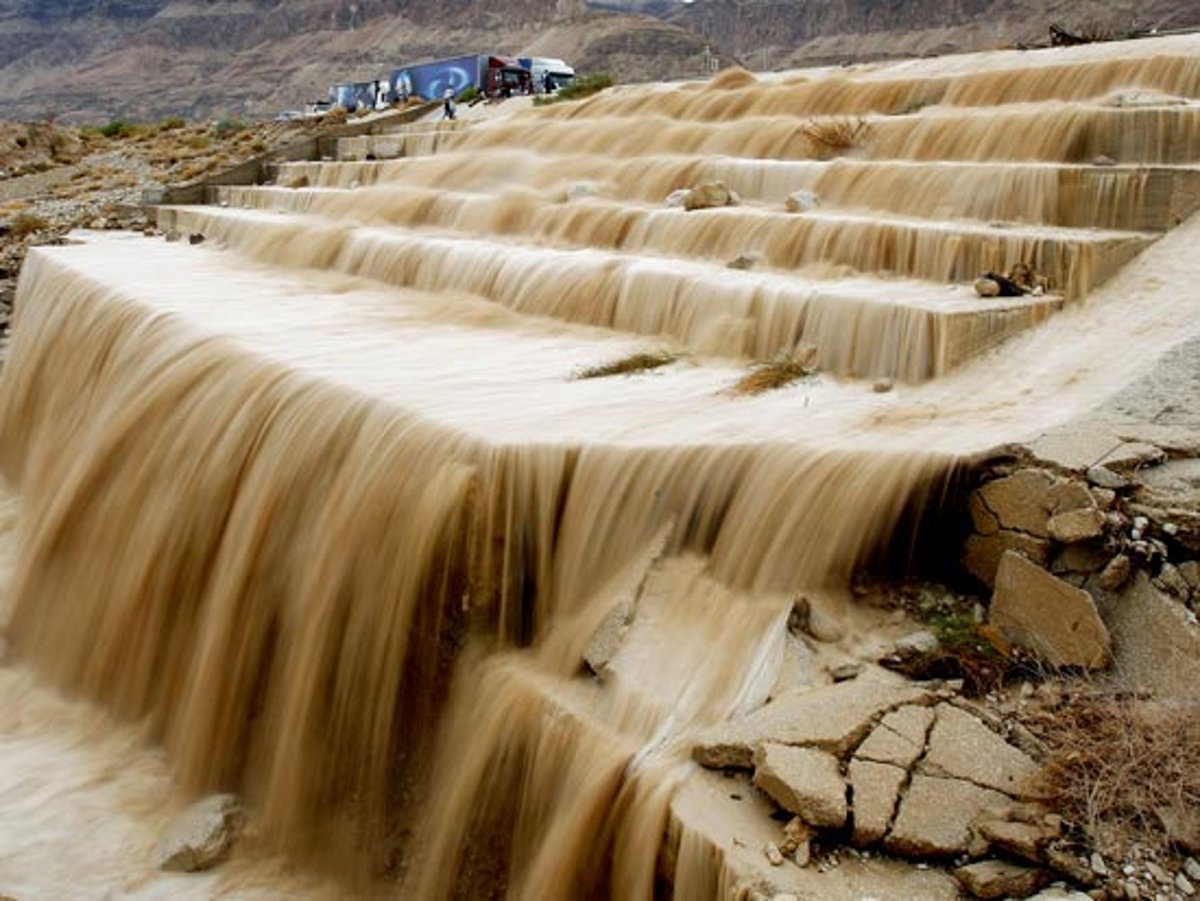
339	547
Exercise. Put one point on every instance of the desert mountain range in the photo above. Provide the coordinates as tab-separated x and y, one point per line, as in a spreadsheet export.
93	60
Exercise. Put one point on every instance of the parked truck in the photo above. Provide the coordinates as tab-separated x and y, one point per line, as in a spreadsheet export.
489	74
547	74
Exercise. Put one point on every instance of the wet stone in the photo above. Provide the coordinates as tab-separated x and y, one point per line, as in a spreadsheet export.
202	836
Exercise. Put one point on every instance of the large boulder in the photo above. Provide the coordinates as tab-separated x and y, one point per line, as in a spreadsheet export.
202	836
1038	611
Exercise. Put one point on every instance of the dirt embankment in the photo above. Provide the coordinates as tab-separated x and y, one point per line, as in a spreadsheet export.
54	178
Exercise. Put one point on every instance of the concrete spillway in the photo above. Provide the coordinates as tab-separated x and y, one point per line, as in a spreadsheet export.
323	502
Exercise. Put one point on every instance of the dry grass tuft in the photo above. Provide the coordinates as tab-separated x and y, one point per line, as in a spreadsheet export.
780	370
1124	769
25	224
634	363
834	136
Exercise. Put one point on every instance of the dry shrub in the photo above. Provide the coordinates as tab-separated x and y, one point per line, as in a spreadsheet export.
299	181
834	136
780	370
25	224
1124	769
638	362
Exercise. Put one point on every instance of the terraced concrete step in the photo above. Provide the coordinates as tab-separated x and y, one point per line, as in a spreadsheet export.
1071	195
1075	260
1061	133
907	330
1166	65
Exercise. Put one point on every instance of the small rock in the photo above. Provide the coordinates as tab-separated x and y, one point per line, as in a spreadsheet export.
677	198
916	644
845	672
173	236
1170	580
773	854
1103	497
1157	873
202	836
1190	570
1024	840
744	261
1191	867
1103	159
987	287
1099	867
195	238
581	190
1115	573
709	195
1103	477
1132	891
802	202
883	386
1184	885
996	879
1076	526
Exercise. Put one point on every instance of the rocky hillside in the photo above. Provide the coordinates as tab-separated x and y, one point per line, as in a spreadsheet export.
205	58
149	58
779	33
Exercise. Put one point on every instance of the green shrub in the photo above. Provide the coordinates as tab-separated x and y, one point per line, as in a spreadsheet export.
469	94
171	123
578	89
226	126
119	128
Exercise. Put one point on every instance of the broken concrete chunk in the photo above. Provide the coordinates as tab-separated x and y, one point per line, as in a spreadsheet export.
899	739
1103	477
1024	840
803	781
833	718
936	815
609	635
1076	526
1021	501
202	836
708	195
982	553
876	789
1059	622
1133	455
996	879
961	747
1115	573
1068	495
